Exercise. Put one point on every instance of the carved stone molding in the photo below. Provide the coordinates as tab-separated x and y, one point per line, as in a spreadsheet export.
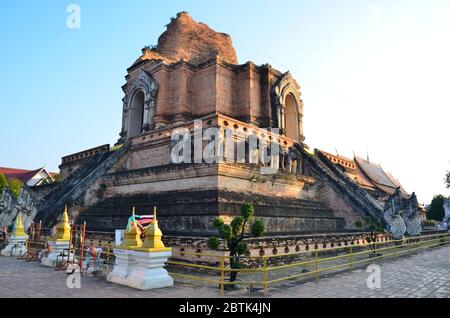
146	84
284	87
393	215
412	217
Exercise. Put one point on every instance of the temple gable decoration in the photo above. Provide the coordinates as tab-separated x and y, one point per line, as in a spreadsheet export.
288	107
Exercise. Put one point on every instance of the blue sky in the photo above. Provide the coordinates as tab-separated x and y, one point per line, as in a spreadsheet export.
374	74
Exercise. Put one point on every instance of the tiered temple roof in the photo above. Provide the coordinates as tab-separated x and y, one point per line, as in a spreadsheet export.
29	177
368	175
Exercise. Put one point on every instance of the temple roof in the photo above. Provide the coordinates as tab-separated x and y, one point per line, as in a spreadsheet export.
367	174
23	175
191	41
382	179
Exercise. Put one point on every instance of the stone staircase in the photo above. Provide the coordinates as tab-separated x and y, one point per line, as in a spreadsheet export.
72	188
344	185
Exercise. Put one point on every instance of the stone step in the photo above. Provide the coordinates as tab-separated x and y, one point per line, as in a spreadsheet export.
76	185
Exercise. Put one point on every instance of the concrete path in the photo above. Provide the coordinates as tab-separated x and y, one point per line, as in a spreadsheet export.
426	274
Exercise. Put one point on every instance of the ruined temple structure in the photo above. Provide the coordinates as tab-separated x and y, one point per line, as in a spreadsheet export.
192	79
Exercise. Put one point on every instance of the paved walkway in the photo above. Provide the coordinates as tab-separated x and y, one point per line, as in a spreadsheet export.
422	275
32	280
426	274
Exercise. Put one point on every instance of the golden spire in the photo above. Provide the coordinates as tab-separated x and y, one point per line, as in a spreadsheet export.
132	236
153	235
63	227
18	229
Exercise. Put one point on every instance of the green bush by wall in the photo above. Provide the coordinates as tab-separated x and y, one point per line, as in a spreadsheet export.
15	187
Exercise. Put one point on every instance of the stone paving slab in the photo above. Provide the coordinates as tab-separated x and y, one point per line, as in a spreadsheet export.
425	274
22	279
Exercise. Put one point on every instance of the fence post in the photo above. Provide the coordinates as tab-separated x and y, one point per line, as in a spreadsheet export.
351	257
265	275
108	257
222	276
317	265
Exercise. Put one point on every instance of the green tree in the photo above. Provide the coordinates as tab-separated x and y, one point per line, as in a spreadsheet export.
447	180
3	183
436	211
15	187
57	178
242	227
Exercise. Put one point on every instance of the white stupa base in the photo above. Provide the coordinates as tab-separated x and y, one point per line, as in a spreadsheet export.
16	247
141	270
122	269
57	248
149	272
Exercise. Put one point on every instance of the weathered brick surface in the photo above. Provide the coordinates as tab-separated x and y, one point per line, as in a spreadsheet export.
192	41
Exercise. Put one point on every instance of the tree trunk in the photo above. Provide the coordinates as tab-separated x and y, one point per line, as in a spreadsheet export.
234	263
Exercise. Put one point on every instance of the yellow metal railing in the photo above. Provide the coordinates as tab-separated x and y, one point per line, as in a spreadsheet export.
313	260
350	255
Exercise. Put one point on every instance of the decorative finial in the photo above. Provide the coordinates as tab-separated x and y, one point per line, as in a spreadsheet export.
63	227
19	229
134	212
132	236
153	236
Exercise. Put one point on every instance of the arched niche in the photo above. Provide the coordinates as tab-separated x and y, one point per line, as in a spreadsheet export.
288	108
139	106
291	117
137	114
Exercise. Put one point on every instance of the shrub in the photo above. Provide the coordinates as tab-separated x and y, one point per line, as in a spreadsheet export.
235	234
3	183
15	187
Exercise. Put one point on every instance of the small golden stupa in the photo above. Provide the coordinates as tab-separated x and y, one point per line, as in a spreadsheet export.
63	228
153	235
132	236
18	229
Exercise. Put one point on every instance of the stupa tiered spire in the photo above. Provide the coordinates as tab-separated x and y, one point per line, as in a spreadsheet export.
63	227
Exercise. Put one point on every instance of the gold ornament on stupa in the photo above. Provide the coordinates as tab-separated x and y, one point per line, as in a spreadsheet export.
132	236
153	235
63	228
18	229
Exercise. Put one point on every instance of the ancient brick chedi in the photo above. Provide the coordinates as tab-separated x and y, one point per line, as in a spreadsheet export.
191	80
